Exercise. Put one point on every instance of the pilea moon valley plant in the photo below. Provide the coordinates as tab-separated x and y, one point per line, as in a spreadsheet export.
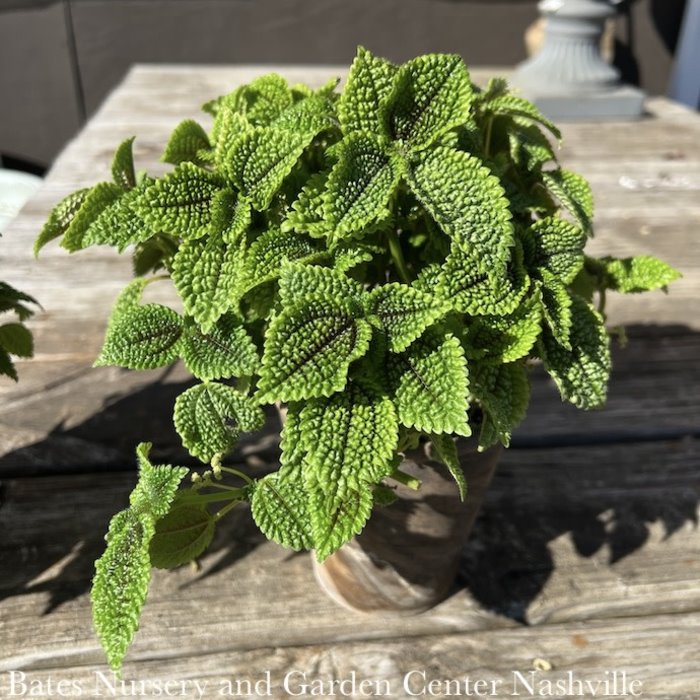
383	263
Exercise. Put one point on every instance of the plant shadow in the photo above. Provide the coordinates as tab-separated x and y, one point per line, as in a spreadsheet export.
605	497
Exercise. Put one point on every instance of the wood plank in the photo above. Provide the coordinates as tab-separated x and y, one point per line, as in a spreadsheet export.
564	536
590	652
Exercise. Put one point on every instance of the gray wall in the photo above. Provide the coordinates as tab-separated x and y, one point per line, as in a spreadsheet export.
59	58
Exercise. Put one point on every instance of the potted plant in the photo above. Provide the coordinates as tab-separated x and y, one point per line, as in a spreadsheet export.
383	264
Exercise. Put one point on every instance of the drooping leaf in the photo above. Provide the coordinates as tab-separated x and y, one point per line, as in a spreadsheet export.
506	338
582	373
210	417
574	193
205	273
429	384
225	351
123	171
511	105
504	394
467	202
16	339
556	305
556	245
157	485
350	438
360	185
404	312
186	143
309	348
279	506
529	147
7	367
334	522
369	84
181	536
260	159
142	337
97	199
641	273
120	585
430	95
181	202
446	450
128	298
12	299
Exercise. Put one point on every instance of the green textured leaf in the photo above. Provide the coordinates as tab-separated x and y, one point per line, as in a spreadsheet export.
446	451
529	147
580	373
265	98
267	255
311	116
16	339
128	298
430	95
230	126
334	522
404	312
467	202
258	161
368	86
225	351
153	254
506	338
429	383
638	274
120	585
307	212
231	216
309	348
7	367
510	105
120	224
504	394
210	417
143	337
556	304
556	245
186	143
475	293
123	165
299	282
205	273
157	485
574	193
292	452
181	536
360	184
181	202
350	439
279	506
60	218
96	201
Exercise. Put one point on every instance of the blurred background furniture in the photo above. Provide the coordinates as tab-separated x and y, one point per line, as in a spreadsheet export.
59	58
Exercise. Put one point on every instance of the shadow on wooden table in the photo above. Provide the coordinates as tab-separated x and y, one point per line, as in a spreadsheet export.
604	497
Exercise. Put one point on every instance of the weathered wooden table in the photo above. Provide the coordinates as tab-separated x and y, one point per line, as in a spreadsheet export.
587	552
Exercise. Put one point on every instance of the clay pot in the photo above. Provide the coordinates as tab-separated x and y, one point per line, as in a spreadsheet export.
406	558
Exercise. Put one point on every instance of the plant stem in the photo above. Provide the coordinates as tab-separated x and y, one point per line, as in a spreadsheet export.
220	514
210	497
405	479
601	301
397	256
487	137
235	472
